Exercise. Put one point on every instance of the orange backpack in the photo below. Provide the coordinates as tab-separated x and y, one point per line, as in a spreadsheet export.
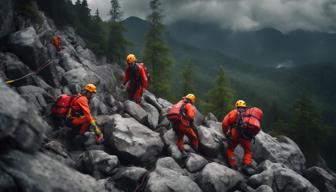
249	122
176	112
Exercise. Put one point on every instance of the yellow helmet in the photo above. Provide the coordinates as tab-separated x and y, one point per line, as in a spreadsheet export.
240	103
131	58
191	97
90	88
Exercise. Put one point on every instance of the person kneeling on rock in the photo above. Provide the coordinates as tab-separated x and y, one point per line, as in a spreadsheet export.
80	114
182	115
240	126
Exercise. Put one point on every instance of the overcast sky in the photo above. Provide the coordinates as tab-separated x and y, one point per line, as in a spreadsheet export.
284	15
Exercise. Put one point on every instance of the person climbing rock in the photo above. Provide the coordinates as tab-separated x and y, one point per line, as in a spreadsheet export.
57	42
80	114
240	126
136	76
182	115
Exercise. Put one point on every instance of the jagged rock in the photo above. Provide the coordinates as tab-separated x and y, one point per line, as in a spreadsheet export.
264	188
321	179
132	141
152	115
280	178
199	118
127	178
27	46
80	77
170	139
7	183
97	163
14	69
151	99
215	177
57	151
86	54
36	96
164	104
97	107
210	117
167	177
6	17
207	142
135	111
39	172
281	150
68	63
195	162
110	101
21	126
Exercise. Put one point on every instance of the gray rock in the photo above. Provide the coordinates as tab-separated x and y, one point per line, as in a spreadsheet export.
6	17
21	127
210	117
280	178
165	177
39	172
264	188
164	104
169	163
136	111
36	96
199	118
27	46
56	150
127	178
207	141
215	177
7	183
321	179
132	141
281	150
195	162
97	163
68	63
152	115
86	54
151	99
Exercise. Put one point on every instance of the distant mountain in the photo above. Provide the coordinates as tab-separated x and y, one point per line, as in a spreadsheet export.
265	46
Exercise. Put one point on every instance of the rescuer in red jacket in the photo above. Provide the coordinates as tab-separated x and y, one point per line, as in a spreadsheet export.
231	131
136	77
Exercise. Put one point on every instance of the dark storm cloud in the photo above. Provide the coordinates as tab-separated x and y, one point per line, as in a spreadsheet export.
285	15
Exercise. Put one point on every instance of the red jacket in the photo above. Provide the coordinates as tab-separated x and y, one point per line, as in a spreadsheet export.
140	72
81	105
190	113
229	119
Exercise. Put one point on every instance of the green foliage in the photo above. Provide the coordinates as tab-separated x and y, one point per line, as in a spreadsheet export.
156	53
187	78
29	11
220	97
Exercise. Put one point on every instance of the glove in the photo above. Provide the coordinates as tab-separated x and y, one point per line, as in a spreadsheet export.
99	139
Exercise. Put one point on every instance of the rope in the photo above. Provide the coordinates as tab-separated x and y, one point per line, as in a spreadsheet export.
31	73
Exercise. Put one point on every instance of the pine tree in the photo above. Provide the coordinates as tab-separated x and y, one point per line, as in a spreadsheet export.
187	78
220	96
156	52
98	38
116	42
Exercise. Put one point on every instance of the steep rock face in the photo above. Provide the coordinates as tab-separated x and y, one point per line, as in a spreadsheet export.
320	178
6	17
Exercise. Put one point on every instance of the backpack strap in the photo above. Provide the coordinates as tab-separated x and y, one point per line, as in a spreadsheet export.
70	107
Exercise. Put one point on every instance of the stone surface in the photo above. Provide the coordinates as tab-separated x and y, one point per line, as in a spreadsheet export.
321	179
136	111
195	162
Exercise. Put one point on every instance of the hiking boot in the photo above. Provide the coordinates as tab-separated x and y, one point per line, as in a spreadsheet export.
249	170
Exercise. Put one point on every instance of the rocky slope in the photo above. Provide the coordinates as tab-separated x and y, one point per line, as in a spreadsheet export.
139	153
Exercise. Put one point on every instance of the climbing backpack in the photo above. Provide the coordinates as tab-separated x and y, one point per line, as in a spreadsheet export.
249	122
176	112
135	76
62	106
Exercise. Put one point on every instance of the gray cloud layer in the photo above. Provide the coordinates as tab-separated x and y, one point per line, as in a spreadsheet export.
284	15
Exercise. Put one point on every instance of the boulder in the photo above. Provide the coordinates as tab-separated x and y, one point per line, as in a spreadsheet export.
56	150
195	162
280	178
27	46
152	115
36	96
68	63
321	179
208	143
167	177
151	99
127	178
97	163
280	150
39	172
136	111
132	141
215	177
22	128
210	117
6	17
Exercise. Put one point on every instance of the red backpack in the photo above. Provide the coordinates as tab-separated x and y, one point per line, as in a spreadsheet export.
176	112
62	105
249	122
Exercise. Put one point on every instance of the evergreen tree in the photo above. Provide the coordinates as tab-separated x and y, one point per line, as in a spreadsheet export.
99	37
220	96
156	52
116	42
306	127
187	78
